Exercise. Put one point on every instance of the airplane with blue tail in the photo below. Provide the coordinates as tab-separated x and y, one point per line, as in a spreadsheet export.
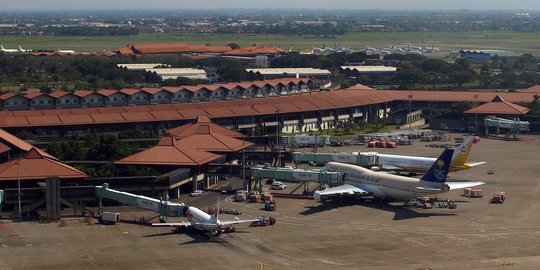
361	182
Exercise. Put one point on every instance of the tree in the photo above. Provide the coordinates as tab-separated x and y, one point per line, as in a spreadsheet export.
534	106
410	77
462	76
460	107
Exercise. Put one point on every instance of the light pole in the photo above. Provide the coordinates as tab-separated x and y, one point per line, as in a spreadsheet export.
244	185
409	116
277	129
252	121
19	215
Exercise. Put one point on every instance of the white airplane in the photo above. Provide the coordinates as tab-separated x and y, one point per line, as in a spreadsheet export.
64	51
2	49
21	50
364	182
415	164
200	220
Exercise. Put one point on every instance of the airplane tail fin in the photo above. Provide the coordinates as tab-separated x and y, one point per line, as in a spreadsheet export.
215	216
2	47
439	170
461	152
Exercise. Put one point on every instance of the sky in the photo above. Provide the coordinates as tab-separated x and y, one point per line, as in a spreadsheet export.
526	5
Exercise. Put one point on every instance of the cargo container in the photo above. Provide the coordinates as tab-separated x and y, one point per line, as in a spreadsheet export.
476	193
109	218
380	144
255	198
390	144
467	192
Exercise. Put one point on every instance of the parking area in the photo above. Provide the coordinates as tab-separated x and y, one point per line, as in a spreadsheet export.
310	235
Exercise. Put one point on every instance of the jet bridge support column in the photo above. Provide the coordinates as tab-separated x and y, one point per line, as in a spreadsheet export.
52	192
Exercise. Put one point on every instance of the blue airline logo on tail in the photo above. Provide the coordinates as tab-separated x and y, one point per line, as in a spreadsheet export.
439	169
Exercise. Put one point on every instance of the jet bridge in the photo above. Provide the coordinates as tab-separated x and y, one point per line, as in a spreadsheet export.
296	175
305	140
164	208
513	127
364	159
1	199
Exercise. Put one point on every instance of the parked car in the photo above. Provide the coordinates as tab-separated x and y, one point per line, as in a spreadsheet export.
196	193
278	185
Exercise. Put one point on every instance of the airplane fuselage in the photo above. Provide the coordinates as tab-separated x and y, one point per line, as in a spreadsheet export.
386	185
201	220
413	163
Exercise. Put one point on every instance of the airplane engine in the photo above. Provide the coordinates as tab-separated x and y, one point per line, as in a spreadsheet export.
445	187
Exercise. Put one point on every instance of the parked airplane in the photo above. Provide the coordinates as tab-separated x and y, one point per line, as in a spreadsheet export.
2	49
415	164
200	220
21	50
364	182
64	51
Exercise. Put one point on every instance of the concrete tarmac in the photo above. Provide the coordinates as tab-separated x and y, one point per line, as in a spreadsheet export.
310	235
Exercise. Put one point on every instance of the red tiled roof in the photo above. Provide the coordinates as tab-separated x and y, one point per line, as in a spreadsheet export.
107	118
12	141
447	96
169	151
130	91
313	101
177	48
83	93
206	139
34	166
125	51
32	95
58	94
360	87
172	89
152	90
44	120
106	92
27	113
6	96
499	106
255	49
4	148
202	120
138	116
532	89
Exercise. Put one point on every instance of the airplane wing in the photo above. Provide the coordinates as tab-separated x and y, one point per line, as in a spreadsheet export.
391	168
231	222
428	189
458	185
186	224
474	164
339	190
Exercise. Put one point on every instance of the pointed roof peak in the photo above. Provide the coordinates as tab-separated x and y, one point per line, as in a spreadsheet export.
33	154
497	98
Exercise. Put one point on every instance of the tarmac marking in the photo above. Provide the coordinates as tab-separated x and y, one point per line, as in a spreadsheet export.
238	250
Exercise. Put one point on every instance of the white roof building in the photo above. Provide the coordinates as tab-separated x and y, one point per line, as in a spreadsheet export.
173	73
141	66
290	71
370	69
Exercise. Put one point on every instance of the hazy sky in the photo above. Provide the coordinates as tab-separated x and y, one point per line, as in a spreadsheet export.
315	4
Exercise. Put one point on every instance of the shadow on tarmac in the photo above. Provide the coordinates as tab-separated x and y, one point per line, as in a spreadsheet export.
400	212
